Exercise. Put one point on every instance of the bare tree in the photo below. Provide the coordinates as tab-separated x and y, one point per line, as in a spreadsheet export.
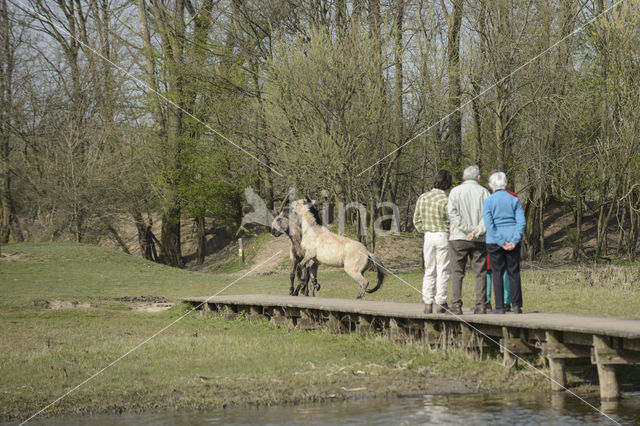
7	62
454	122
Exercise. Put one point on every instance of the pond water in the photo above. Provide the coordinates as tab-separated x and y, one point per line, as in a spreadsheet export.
494	409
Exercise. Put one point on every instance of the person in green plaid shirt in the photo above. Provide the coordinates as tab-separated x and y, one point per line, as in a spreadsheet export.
432	219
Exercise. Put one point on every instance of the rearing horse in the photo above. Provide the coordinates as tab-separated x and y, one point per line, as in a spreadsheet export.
321	245
284	224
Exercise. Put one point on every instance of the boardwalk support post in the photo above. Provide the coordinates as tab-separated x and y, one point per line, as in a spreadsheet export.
394	332
255	312
306	320
556	365
430	334
364	325
280	317
230	312
333	323
609	390
510	361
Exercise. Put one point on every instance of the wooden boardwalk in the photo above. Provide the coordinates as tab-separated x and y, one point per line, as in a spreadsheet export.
607	341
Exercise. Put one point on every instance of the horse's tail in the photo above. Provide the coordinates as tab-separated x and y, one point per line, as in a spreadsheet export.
381	271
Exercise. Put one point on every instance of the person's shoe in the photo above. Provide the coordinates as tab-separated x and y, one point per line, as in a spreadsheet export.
428	308
507	307
455	310
498	311
517	309
488	307
480	310
441	309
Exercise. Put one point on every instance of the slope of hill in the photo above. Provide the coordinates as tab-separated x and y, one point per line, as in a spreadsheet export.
402	252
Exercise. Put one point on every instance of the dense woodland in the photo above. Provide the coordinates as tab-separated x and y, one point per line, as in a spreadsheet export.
168	109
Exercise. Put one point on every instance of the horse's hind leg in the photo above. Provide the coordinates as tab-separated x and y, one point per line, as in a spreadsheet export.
360	279
303	281
307	277
292	277
313	273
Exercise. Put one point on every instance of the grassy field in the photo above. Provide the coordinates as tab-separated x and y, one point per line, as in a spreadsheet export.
204	361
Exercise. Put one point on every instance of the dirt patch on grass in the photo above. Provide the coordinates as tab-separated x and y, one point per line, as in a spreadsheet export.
10	256
137	303
151	307
142	299
61	304
146	303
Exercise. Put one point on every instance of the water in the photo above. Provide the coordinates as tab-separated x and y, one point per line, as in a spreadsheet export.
516	409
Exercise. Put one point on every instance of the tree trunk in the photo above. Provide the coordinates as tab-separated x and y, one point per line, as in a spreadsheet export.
621	232
171	30
454	23
399	81
6	67
532	229
540	223
116	236
501	131
6	202
149	68
577	252
604	126
634	218
477	124
372	221
171	253
201	240
146	239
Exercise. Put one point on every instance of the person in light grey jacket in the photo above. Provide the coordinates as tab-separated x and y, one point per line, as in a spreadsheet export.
466	238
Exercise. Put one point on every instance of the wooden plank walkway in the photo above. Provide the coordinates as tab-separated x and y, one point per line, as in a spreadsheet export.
609	326
608	341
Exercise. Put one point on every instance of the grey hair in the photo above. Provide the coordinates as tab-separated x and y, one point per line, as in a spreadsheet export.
497	181
471	173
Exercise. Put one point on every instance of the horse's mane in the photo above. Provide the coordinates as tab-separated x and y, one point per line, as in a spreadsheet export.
314	213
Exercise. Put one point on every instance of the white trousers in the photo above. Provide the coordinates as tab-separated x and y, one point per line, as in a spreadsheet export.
436	267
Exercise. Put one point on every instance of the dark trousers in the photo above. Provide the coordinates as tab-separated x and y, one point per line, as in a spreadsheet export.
509	259
459	251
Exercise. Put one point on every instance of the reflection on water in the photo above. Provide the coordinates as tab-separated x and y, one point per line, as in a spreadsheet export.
516	409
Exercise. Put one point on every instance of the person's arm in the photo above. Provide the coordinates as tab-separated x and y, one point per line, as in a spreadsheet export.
444	213
521	222
417	215
487	215
454	214
480	228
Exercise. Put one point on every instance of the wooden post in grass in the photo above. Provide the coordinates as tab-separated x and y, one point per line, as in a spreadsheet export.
241	251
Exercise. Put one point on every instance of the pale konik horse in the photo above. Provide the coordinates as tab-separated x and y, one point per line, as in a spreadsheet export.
323	246
284	223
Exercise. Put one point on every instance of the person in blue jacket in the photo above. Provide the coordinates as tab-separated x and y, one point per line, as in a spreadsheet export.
505	277
505	222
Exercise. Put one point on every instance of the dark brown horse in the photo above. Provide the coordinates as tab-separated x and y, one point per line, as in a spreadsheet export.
284	223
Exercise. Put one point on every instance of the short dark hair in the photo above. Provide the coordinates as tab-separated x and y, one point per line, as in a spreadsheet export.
442	180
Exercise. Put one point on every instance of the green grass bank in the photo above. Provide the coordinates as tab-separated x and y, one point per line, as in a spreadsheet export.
205	362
